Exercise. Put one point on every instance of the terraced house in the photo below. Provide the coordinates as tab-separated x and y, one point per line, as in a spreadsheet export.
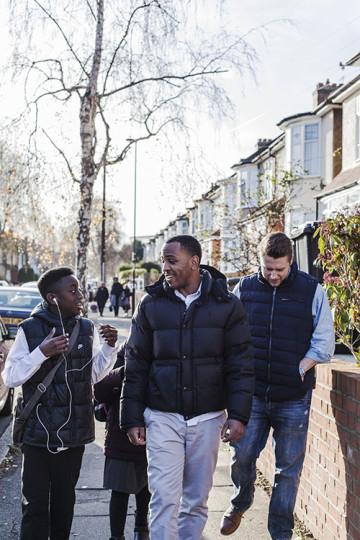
305	174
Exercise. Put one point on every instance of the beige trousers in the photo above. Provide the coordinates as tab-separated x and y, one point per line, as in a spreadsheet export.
182	461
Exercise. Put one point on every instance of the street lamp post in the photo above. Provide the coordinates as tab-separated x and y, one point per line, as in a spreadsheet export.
134	239
103	248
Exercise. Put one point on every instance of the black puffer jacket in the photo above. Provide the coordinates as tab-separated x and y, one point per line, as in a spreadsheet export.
51	415
189	361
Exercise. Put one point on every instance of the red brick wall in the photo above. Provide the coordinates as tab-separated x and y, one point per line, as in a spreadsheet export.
328	500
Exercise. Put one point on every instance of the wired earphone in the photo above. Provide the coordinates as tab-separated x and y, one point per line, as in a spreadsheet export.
62	447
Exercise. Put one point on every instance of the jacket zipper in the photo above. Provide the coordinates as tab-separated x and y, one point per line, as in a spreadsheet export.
184	321
270	339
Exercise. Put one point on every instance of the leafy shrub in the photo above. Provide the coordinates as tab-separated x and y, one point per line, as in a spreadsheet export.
151	267
339	246
27	274
127	274
124	267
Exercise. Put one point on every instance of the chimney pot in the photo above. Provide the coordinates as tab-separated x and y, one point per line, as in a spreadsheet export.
322	91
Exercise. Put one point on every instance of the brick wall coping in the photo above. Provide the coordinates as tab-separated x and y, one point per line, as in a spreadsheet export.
341	365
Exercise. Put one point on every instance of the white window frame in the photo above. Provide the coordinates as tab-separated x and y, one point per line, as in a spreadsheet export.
268	180
300	145
245	194
358	127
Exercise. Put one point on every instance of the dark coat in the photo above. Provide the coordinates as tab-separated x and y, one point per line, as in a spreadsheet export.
53	406
116	290
189	361
281	325
117	444
102	294
127	291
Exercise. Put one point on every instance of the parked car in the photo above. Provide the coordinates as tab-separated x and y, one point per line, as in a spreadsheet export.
6	394
3	283
16	304
30	285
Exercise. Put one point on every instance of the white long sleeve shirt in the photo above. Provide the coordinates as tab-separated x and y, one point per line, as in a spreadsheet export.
21	364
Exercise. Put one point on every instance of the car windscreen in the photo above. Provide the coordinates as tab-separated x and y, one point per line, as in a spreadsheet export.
19	299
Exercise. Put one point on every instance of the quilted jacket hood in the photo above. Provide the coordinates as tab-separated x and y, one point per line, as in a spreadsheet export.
213	282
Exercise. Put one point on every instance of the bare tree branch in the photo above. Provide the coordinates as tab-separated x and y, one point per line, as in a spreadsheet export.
91	9
125	150
63	34
108	138
63	156
49	78
166	79
125	35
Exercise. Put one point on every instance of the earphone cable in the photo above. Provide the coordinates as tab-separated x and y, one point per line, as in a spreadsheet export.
62	447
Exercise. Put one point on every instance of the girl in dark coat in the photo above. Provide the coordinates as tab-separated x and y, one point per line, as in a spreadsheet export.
102	294
125	469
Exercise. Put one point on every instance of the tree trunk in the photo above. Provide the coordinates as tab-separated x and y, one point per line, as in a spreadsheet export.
89	169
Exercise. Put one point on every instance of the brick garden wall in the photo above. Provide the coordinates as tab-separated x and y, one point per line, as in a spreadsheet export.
328	501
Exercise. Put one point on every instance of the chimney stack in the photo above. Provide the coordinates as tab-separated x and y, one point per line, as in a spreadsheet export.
322	91
263	143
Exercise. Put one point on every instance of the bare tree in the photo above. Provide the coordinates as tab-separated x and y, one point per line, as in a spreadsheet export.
137	67
126	254
24	224
264	210
66	255
113	237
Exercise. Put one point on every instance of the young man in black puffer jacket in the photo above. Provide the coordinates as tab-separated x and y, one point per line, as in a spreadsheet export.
188	359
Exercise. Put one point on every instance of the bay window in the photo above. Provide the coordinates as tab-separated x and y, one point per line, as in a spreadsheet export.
305	147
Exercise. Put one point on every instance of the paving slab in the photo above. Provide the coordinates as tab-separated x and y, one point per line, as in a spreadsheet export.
254	523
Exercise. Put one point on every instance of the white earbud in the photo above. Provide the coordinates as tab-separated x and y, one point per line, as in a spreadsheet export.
56	302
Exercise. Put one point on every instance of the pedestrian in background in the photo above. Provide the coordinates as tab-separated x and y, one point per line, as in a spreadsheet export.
116	295
292	330
126	299
125	464
90	293
188	358
102	294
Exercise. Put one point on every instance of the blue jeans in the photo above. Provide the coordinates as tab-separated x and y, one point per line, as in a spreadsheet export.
290	420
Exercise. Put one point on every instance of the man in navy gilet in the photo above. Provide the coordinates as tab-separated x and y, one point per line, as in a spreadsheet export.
292	330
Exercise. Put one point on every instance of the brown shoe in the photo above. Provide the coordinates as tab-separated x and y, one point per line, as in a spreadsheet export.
230	521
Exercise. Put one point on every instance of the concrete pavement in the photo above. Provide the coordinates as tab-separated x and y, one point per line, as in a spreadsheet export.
122	323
